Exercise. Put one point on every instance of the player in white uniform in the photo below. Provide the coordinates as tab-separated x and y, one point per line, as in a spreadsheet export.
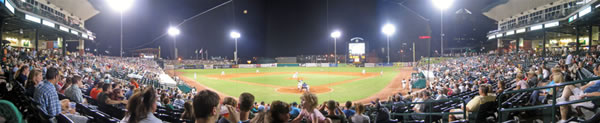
364	72
300	85
222	73
295	75
403	83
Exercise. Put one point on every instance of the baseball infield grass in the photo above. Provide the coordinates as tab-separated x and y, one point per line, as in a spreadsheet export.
351	91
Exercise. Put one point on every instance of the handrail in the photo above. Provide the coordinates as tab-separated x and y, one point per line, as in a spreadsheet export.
554	103
551	86
464	112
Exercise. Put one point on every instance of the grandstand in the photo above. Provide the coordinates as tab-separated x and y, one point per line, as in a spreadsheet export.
539	72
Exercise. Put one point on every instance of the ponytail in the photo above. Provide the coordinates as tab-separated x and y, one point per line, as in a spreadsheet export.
140	104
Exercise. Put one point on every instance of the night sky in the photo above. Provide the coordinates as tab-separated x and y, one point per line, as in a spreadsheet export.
274	28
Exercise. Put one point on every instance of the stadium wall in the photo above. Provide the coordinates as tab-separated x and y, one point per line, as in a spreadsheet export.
272	65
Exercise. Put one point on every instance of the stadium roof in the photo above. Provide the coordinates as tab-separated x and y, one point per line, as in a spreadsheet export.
506	8
80	8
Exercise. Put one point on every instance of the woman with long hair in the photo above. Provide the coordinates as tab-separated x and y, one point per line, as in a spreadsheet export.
21	74
67	84
141	107
34	78
188	112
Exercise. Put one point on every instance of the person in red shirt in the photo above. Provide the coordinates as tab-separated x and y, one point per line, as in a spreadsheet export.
95	91
134	83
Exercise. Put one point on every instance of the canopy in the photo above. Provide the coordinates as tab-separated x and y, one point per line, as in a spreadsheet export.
166	80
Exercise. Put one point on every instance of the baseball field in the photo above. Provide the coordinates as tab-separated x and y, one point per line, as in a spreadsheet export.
329	83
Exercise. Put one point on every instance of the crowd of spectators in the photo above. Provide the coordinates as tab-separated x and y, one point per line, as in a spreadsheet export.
60	86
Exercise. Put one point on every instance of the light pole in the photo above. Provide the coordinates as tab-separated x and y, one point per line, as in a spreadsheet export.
388	30
235	36
173	31
335	35
442	5
120	5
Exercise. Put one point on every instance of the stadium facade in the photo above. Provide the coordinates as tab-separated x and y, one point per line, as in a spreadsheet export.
544	25
46	24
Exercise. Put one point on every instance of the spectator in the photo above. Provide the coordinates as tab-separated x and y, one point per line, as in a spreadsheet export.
206	108
188	112
129	92
141	107
521	84
21	74
348	111
571	93
133	82
246	101
103	97
309	110
359	117
441	94
46	95
295	110
532	79
74	92
228	101
279	112
332	108
35	77
66	85
97	90
261	107
423	107
178	102
474	104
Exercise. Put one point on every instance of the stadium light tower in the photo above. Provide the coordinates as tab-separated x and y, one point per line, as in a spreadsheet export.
120	5
335	35
388	30
173	31
235	36
442	5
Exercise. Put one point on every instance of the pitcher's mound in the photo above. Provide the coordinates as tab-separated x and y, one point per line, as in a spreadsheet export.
294	90
299	78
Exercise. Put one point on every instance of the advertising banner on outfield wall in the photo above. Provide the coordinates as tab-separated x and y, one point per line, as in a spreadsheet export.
333	65
268	65
247	65
199	66
384	64
287	65
208	66
310	65
324	65
189	66
369	64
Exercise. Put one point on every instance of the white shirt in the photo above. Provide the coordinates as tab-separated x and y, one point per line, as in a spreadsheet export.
569	59
546	73
360	118
149	119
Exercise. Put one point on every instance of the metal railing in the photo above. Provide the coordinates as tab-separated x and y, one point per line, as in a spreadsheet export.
427	114
552	106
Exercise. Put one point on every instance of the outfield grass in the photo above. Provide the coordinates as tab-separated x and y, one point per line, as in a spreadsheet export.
284	79
344	92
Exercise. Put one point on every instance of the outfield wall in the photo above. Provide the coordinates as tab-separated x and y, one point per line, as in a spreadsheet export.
226	66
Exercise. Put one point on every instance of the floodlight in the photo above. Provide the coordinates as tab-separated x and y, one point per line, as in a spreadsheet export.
442	4
173	31
388	29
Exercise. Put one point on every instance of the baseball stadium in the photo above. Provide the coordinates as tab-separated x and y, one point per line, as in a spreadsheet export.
299	61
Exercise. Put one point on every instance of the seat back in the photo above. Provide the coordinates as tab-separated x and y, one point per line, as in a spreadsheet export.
485	110
61	118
